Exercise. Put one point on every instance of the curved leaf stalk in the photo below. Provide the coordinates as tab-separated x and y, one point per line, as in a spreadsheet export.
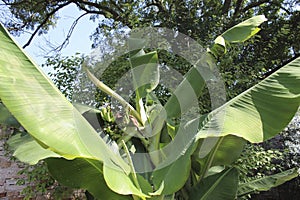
134	177
103	87
210	159
113	94
133	174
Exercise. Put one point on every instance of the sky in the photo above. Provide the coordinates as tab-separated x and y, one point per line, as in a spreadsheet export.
79	41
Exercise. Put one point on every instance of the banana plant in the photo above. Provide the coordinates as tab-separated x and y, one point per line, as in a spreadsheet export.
157	165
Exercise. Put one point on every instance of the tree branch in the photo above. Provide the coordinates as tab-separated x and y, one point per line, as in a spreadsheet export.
44	22
237	7
98	6
66	41
279	5
226	6
117	6
254	4
102	10
99	12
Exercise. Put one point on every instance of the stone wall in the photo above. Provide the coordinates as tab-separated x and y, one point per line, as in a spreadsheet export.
9	190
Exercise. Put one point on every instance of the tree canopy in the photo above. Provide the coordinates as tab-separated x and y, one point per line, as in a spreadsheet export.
203	19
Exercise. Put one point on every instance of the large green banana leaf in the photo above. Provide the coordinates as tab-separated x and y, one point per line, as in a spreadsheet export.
84	174
227	149
77	173
256	115
240	32
168	175
260	112
47	115
266	183
221	186
27	150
